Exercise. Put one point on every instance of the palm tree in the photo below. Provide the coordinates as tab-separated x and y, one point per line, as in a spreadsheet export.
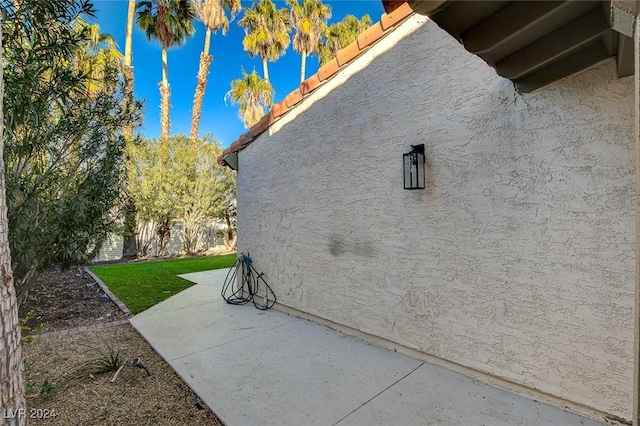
170	22
129	209
340	35
212	14
266	32
128	63
253	94
309	19
98	57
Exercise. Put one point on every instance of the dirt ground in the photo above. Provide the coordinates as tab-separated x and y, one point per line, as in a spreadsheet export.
68	299
62	300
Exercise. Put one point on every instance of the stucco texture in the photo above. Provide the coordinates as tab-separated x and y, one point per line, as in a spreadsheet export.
518	258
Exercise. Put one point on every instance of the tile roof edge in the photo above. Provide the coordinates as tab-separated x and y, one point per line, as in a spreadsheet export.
387	23
391	5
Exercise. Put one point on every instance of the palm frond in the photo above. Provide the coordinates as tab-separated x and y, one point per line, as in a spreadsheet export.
266	30
252	94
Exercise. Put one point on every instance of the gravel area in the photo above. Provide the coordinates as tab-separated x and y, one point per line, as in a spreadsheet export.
133	399
62	300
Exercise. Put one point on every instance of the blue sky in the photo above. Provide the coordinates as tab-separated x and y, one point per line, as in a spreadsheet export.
228	57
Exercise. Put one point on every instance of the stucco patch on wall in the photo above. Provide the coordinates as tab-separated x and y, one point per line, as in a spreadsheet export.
518	258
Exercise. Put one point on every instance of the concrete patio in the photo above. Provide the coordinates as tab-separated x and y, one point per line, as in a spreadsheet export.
254	367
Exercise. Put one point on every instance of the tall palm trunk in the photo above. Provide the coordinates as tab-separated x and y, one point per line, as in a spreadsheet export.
130	246
203	70
12	399
165	94
128	67
265	70
303	66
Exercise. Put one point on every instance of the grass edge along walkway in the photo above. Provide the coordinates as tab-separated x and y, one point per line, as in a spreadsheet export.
140	285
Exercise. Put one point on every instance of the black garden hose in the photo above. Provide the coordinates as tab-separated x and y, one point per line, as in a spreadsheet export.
247	289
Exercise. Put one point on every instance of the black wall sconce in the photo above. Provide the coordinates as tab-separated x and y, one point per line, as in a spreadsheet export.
413	167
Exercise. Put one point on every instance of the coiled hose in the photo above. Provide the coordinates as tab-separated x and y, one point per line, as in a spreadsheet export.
243	283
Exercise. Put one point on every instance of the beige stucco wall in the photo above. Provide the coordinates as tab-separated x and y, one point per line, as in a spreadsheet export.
518	258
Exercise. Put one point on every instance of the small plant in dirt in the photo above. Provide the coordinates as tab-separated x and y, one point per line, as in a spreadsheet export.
109	359
27	331
47	388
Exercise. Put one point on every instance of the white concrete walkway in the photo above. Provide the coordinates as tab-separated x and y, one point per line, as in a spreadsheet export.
268	368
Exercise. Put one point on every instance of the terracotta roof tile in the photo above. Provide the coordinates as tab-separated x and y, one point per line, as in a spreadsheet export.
260	126
310	84
224	154
244	139
293	98
328	69
348	54
279	109
396	12
388	20
390	5
370	35
236	146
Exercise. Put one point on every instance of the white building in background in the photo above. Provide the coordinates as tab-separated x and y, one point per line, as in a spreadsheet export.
516	263
208	238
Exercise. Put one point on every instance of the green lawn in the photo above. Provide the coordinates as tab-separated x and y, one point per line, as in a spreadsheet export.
141	285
